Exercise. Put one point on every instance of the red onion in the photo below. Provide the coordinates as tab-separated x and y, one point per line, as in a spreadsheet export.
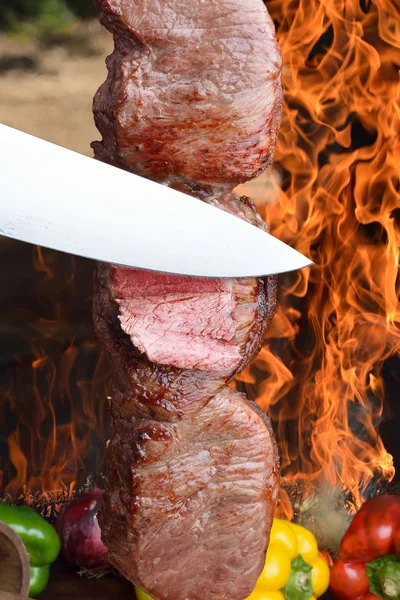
79	531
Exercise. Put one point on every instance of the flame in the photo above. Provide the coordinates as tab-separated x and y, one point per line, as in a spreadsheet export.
333	193
55	393
319	375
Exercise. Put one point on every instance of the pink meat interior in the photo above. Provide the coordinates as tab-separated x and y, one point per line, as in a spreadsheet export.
190	323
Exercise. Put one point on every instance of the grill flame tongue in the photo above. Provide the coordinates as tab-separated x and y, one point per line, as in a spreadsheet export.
319	375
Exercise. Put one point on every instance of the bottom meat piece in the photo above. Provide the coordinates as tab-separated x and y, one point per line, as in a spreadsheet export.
193	468
188	504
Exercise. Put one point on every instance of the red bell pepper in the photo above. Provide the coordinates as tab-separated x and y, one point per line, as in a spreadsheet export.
368	566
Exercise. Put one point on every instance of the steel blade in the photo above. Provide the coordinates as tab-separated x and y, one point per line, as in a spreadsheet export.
63	200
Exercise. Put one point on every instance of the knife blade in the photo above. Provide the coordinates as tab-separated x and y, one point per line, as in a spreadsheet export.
63	200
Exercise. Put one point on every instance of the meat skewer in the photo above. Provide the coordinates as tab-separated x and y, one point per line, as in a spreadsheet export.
192	100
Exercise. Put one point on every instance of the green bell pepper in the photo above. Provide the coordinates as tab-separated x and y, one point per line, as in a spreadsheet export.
40	539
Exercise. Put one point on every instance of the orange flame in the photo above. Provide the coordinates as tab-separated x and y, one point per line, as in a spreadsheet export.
338	157
333	193
59	410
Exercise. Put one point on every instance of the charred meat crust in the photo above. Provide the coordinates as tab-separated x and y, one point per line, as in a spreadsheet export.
190	97
193	100
198	486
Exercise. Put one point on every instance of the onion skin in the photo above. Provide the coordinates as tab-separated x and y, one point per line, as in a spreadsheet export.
80	533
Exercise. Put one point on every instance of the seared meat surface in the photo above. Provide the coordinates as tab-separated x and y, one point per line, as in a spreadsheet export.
196	497
193	92
192	100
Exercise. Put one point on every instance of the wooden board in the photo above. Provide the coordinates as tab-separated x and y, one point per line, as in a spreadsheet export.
66	584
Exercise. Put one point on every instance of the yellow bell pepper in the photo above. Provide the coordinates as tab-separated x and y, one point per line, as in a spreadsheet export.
141	595
293	568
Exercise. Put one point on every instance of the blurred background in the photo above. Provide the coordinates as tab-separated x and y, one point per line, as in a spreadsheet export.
51	63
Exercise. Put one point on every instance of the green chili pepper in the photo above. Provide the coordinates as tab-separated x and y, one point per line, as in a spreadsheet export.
40	539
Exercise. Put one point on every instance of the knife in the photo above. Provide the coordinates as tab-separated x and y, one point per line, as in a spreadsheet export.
63	200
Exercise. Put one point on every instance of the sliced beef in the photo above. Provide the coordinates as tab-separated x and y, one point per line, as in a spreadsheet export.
193	91
192	100
163	391
187	322
193	467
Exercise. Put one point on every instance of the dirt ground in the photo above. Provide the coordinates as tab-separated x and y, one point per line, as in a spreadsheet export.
47	90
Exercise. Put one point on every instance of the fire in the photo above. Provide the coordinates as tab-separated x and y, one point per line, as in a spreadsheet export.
53	407
338	157
333	193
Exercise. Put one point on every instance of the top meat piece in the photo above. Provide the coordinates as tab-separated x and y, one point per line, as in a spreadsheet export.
193	92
